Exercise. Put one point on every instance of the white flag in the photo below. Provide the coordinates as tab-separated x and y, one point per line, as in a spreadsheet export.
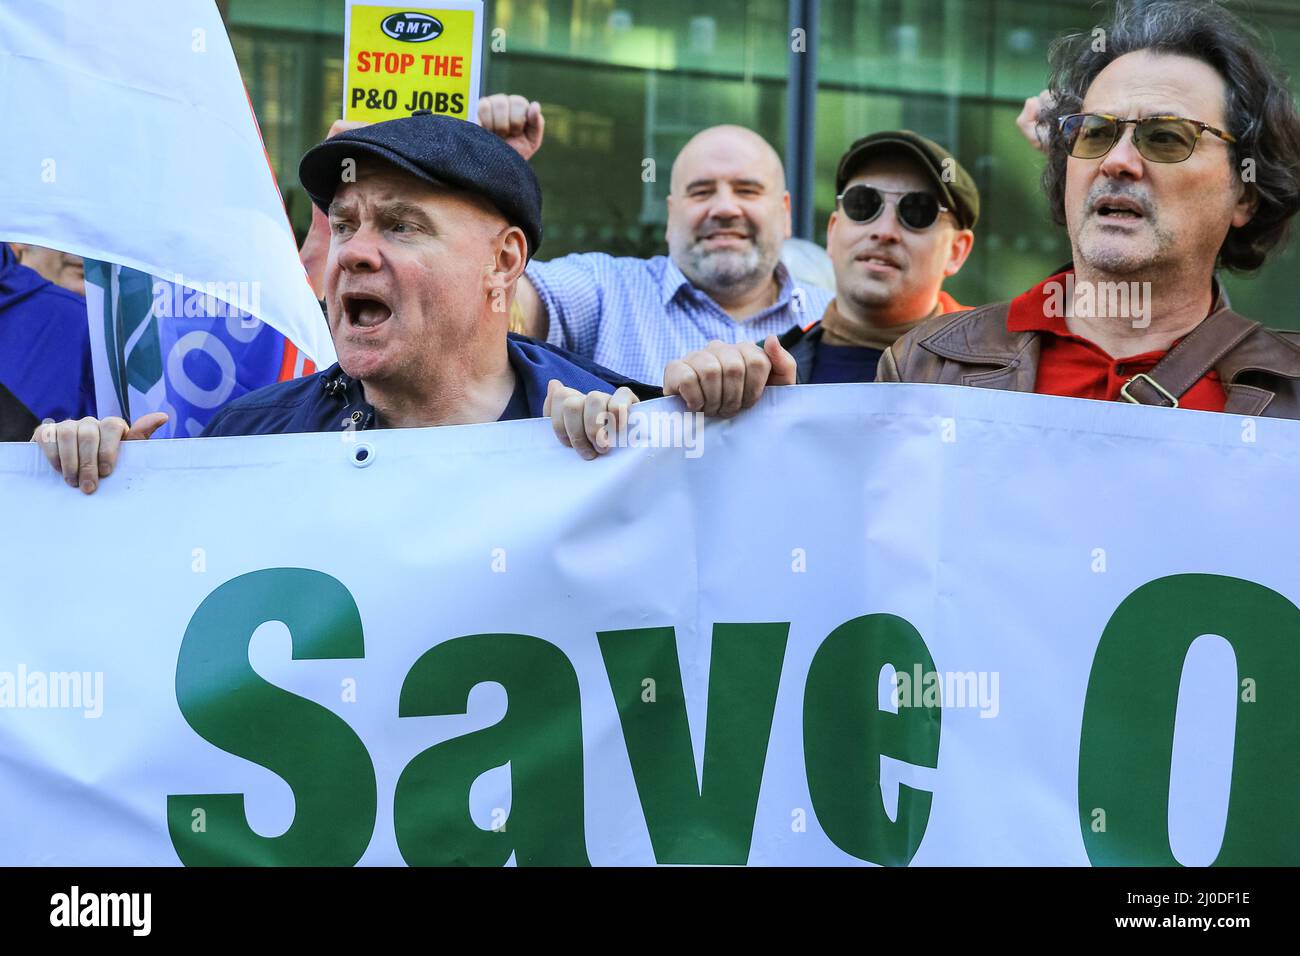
129	138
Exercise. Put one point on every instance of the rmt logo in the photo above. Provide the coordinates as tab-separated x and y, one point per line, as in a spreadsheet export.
411	27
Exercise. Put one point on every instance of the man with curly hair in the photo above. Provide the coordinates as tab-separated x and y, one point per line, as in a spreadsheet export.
1174	149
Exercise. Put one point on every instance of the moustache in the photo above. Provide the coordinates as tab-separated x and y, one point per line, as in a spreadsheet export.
1103	193
710	228
884	257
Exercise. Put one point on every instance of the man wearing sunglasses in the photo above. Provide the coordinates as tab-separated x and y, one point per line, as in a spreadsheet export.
902	224
1171	152
904	210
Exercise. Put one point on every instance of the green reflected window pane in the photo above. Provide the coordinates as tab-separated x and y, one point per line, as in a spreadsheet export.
741	37
611	136
1023	31
926	46
301	16
623	87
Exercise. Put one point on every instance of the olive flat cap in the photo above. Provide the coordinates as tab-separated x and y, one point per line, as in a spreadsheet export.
956	187
442	150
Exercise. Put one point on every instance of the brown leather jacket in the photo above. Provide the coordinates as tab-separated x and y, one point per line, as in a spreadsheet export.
1261	376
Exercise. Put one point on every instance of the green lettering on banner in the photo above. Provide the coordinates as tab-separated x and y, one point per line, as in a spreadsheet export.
1126	743
845	733
709	820
540	737
314	750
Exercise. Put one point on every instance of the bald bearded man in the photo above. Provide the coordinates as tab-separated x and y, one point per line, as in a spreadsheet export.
722	280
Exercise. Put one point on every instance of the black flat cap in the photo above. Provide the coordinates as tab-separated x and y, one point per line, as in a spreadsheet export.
439	149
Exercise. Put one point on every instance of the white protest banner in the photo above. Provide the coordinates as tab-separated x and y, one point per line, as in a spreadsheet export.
402	59
129	139
881	624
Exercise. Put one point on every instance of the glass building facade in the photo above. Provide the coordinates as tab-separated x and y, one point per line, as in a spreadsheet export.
623	82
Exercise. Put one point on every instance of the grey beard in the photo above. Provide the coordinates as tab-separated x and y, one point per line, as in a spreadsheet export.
1110	262
724	270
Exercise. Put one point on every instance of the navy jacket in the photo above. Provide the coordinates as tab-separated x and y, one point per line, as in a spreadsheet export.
44	343
332	401
17	423
804	346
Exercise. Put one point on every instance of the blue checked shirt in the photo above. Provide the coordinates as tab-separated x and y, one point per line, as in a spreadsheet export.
636	315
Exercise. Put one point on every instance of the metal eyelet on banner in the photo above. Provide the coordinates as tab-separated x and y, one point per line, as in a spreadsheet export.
363	454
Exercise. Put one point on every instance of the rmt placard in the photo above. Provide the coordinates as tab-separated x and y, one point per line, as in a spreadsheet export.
404	59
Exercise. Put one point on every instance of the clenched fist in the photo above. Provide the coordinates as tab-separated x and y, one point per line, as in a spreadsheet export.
517	121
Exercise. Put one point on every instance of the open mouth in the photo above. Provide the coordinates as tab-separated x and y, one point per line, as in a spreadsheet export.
363	311
1118	210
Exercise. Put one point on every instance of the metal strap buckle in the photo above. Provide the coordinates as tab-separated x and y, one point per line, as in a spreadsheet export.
1173	402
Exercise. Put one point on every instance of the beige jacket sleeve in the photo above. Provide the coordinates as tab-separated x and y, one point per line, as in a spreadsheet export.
887	368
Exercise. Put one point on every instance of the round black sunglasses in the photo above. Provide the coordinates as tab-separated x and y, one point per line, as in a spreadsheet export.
916	210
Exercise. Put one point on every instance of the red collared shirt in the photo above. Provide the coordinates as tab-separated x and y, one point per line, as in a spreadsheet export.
1075	367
